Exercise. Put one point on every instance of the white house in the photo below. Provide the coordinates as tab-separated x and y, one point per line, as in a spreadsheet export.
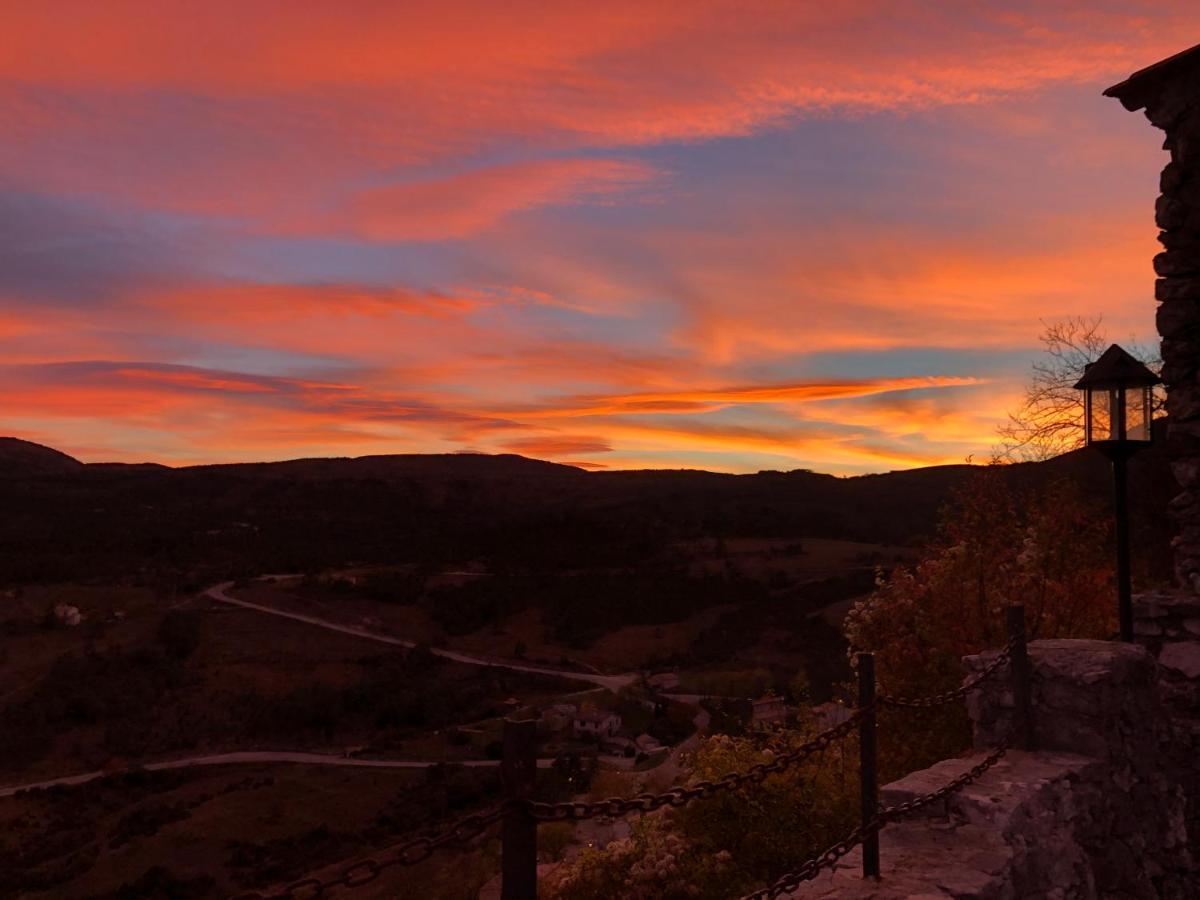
768	711
596	723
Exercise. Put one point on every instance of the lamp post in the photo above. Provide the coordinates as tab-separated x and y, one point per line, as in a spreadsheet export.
1117	422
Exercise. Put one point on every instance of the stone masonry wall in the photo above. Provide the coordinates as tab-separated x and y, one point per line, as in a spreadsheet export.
1096	812
1167	624
1170	95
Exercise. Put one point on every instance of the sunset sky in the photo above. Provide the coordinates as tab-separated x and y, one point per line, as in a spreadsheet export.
732	236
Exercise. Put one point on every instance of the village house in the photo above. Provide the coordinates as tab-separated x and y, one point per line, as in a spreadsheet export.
558	717
768	711
647	743
830	714
596	723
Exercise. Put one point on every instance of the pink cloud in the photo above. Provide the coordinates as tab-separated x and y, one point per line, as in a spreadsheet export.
462	205
301	99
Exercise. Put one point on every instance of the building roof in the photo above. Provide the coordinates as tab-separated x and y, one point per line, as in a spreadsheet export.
1139	88
1115	368
595	715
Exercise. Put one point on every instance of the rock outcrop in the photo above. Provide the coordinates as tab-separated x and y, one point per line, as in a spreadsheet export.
1099	811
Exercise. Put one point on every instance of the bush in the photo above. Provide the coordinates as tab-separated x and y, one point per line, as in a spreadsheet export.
652	862
554	838
179	633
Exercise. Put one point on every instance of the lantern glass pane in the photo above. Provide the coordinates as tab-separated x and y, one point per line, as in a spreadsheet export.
1137	414
1100	420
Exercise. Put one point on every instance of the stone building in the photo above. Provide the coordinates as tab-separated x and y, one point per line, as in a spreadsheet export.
1169	93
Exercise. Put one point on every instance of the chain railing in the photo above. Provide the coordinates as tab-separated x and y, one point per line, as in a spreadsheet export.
973	774
520	814
756	774
813	867
827	860
408	853
959	693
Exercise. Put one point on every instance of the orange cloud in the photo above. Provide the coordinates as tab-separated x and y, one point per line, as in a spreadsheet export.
859	286
694	401
557	446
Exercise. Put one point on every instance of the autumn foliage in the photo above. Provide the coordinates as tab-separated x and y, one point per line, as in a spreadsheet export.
1047	549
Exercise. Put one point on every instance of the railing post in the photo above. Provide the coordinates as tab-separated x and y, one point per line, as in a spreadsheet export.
1023	731
867	771
518	855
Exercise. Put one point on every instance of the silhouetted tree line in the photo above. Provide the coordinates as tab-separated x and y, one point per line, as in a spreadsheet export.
197	525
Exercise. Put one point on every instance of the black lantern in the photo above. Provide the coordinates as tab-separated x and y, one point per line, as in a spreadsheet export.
1118	406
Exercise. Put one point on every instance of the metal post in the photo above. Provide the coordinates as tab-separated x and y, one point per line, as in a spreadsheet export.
518	860
1121	515
1023	733
867	770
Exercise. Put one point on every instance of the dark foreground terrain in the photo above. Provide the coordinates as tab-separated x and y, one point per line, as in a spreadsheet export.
115	653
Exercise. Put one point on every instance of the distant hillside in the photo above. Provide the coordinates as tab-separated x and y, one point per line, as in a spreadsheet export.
67	520
24	458
414	465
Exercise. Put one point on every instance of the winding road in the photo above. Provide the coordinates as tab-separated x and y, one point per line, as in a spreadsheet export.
263	756
220	593
613	683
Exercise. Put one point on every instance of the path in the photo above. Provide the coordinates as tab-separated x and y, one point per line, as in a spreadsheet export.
264	756
612	682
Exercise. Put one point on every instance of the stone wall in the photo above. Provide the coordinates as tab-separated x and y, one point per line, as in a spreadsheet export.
1097	812
1169	92
1167	624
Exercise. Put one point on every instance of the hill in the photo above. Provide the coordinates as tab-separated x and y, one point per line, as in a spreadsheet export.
24	458
65	519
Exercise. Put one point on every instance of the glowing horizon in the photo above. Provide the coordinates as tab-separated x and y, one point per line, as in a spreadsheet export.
709	235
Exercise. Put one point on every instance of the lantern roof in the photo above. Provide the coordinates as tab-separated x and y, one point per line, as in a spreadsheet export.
1116	368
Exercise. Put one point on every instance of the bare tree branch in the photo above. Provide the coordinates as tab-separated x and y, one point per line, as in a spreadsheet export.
1049	420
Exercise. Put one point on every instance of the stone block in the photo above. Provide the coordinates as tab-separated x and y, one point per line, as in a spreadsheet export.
1177	289
1170	213
1173	603
1180	238
1170	179
1148	628
1179	319
1187	472
1176	263
1182	657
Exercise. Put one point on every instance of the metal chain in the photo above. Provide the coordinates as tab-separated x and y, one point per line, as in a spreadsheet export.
949	696
471	827
619	806
813	867
408	853
893	813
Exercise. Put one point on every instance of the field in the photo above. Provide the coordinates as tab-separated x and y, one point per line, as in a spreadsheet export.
114	691
221	830
152	672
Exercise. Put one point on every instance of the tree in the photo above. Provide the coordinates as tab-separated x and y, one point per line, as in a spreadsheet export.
1047	549
1049	420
